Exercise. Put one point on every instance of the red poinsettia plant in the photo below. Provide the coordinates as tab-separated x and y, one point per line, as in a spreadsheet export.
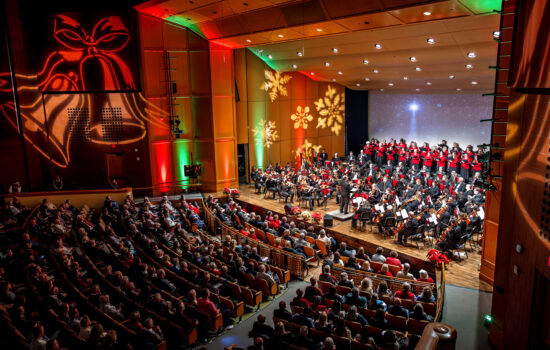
317	217
296	210
437	257
231	191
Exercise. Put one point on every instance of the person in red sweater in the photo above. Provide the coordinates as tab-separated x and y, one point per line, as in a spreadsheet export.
424	277
393	260
299	299
204	304
312	290
405	293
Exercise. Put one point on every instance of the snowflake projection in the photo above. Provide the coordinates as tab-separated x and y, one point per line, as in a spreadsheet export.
308	150
265	133
275	83
301	117
331	110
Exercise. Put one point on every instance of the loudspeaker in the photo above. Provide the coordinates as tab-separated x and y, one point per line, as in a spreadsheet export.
327	220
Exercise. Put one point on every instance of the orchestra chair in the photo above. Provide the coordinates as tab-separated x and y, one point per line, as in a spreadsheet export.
363	219
419	235
388	226
461	246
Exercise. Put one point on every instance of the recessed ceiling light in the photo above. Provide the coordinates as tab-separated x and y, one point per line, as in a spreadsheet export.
269	56
248	40
390	84
418	69
312	73
378	46
458	89
376	71
365	61
300	53
405	78
327	64
367	79
333	79
319	30
472	54
339	72
280	35
496	34
431	41
451	76
417	89
469	66
427	13
474	82
294	66
428	83
357	84
381	89
412	59
335	50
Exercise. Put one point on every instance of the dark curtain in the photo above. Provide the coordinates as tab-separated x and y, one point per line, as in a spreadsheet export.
357	119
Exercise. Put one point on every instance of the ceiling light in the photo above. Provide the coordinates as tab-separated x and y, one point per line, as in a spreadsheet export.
312	73
417	89
431	41
319	29
365	61
458	89
469	66
280	35
472	54
412	59
496	34
381	89
248	40
376	71
300	53
294	66
405	78
428	83
333	79
418	69
357	84
427	13
451	76
474	82
335	50
339	72
390	84
327	64
367	79
378	46
269	56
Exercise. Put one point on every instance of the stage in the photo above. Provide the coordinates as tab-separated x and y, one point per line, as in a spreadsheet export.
464	273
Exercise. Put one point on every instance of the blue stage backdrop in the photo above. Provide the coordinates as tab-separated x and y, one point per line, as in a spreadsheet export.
430	117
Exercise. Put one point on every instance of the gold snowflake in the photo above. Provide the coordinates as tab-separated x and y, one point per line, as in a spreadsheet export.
308	150
331	110
276	83
265	133
301	117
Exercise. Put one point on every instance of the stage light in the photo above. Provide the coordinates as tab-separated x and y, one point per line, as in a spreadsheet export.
451	76
487	320
428	83
390	84
431	41
378	46
294	66
365	61
269	56
335	50
300	53
418	69
405	78
474	82
248	40
375	71
280	35
412	59
472	54
367	79
327	64
340	73
496	34
413	107
427	13
319	30
469	66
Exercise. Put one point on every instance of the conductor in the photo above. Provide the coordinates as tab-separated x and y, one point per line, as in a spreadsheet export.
345	190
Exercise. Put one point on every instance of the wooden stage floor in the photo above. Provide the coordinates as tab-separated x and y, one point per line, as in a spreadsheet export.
464	273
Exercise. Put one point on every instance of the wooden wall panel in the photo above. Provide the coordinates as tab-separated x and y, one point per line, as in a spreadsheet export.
179	66
202	117
153	73
151	33
173	38
200	72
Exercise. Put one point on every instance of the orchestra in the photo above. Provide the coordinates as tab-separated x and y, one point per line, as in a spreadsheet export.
432	187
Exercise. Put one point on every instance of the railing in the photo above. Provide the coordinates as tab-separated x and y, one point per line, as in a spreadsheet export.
441	294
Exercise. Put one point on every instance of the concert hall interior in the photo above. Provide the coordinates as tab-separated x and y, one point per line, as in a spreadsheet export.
266	174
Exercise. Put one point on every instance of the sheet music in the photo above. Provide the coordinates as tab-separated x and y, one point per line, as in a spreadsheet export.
404	213
434	219
377	207
397	201
481	213
398	214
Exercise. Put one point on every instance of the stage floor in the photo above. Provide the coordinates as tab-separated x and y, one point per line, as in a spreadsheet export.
464	273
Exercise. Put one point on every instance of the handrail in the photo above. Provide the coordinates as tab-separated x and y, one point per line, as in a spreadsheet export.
441	294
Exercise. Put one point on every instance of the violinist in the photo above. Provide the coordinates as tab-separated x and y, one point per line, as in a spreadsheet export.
287	191
362	209
375	195
452	235
411	224
382	220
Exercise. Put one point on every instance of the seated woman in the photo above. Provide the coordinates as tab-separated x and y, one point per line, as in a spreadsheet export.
332	295
383	289
375	303
322	323
352	264
366	286
419	314
426	296
353	315
385	270
341	330
366	267
379	320
424	277
364	337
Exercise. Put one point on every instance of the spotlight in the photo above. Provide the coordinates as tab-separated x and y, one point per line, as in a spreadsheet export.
469	66
496	34
327	64
418	69
378	46
451	76
367	79
375	71
417	89
300	53
458	89
390	84
319	30
412	58
335	50
431	41
487	320
248	40
365	61
280	35
381	89
357	84
427	13
294	66
413	107
405	78
269	56
340	73
474	82
312	73
333	79
428	83
472	55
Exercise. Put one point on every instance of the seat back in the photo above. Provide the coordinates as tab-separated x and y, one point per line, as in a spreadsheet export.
324	286
322	247
309	252
355	345
263	286
354	327
397	322
416	326
270	238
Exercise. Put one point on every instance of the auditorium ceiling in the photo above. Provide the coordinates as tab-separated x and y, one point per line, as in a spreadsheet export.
334	40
